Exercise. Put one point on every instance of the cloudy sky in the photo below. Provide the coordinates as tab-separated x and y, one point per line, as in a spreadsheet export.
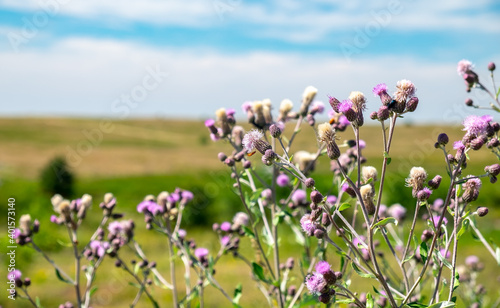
178	58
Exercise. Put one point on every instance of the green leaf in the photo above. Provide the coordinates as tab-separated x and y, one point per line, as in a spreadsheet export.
134	284
37	301
256	194
64	244
344	301
248	232
465	227
386	156
445	304
344	206
155	304
308	300
258	271
93	290
443	259
278	218
457	281
385	221
60	277
408	258
370	302
498	94
237	294
360	273
424	251
497	253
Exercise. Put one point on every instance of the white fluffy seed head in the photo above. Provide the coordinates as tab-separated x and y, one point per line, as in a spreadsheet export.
369	172
108	197
326	133
308	95
221	114
286	106
86	200
358	99
366	191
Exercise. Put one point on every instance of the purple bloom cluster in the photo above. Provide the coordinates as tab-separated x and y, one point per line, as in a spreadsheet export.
321	281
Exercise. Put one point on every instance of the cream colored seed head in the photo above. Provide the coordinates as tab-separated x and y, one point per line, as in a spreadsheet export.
221	114
326	133
358	99
366	191
309	94
286	106
369	172
149	198
108	197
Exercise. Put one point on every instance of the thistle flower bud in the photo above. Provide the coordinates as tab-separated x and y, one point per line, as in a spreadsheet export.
325	220
290	263
349	190
412	104
346	107
493	169
367	194
424	194
383	113
334	103
221	156
469	102
108	197
307	98
493	179
309	182
247	164
435	182
316	197
482	211
238	133
381	91
493	143
476	144
275	131
491	66
229	161
36	226
426	235
471	189
319	233
443	139
374	115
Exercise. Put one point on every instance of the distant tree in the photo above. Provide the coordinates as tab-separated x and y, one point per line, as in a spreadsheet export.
57	178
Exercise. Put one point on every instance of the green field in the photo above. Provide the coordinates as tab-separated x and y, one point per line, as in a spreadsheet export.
135	158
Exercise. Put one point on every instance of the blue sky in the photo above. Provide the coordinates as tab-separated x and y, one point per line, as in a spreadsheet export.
84	58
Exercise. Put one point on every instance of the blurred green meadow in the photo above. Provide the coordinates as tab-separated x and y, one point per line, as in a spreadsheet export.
134	158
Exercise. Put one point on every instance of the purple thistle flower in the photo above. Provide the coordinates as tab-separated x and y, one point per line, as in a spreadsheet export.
230	112
53	219
241	219
344	187
201	253
225	240
323	267
343	120
182	233
225	226
315	283
345	106
397	211
214	137
475	125
472	261
307	224
209	123
282	180
299	197
187	196
115	227
251	138
18	232
380	89
362	144
14	275
458	145
331	199
445	253
438	204
435	221
318	107
246	106
464	66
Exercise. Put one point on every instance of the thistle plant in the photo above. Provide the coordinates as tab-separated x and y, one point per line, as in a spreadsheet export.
342	233
350	248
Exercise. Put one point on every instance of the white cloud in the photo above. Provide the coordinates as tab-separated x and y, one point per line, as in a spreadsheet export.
84	76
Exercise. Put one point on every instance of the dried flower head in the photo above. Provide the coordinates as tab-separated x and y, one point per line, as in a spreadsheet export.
359	101
25	224
307	98
369	172
405	90
252	140
416	180
471	189
303	159
367	194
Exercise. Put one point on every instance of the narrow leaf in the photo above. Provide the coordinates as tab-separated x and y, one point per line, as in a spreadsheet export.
258	271
60	277
385	221
344	206
423	251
